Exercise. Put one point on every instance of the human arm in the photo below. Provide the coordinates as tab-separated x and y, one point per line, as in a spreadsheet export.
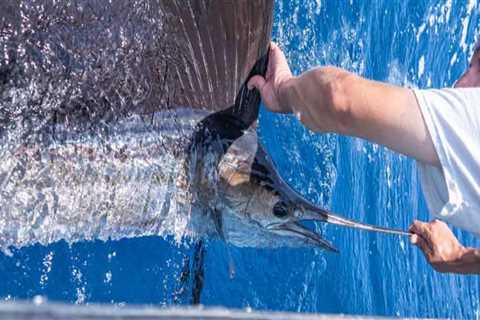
442	249
329	99
333	100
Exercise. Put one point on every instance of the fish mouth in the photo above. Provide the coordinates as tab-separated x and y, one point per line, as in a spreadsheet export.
306	211
309	211
296	230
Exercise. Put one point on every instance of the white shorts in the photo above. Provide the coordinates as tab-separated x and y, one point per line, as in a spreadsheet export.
452	191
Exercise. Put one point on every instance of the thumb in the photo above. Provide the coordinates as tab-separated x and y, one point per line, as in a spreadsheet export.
256	82
420	242
414	239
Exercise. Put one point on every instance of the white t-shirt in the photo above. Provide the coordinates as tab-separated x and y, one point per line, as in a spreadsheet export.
452	192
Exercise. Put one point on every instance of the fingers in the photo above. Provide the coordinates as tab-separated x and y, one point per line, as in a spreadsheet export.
276	53
275	56
277	62
257	82
421	237
278	72
420	228
422	244
266	92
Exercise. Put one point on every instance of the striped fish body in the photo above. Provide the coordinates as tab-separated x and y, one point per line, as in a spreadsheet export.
105	183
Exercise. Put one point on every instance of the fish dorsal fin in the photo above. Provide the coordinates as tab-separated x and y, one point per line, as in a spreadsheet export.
212	47
117	58
228	125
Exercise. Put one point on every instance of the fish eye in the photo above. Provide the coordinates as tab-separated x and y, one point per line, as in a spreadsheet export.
280	209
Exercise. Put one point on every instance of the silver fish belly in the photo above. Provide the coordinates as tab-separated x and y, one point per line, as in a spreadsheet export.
98	185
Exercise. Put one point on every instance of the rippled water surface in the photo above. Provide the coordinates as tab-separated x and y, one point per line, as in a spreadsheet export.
413	43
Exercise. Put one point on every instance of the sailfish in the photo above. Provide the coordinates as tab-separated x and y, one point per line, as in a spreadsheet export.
144	127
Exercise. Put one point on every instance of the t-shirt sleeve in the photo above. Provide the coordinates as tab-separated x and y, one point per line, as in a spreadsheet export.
452	191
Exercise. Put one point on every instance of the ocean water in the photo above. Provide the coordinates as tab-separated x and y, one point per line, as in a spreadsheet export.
413	43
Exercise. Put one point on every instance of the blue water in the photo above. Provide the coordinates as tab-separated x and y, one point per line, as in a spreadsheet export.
413	43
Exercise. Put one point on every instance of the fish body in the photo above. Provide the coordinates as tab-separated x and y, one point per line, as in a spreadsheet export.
95	185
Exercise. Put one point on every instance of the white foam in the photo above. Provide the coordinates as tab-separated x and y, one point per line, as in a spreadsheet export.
453	59
421	66
420	31
465	22
318	8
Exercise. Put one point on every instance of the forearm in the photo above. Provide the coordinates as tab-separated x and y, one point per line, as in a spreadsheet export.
334	100
469	262
313	98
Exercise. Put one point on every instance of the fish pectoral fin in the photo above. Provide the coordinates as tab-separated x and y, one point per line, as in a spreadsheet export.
218	221
294	229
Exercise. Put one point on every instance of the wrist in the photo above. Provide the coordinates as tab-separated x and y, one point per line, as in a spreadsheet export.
468	261
285	95
462	253
470	254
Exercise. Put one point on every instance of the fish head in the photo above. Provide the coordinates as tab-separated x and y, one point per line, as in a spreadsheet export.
253	191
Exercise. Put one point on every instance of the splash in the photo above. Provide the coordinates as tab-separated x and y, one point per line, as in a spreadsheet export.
79	160
94	185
